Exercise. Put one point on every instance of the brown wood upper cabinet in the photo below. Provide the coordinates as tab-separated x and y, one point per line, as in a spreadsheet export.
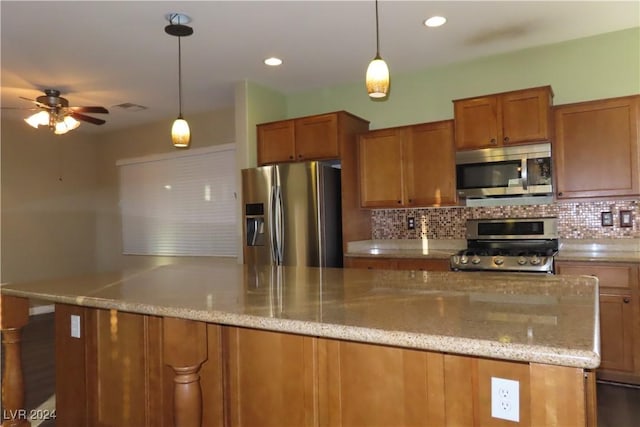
516	117
408	166
596	148
301	139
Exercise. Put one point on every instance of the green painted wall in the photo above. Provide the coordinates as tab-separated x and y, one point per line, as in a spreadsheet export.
266	105
596	67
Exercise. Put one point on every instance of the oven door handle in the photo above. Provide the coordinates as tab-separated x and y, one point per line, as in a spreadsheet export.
523	173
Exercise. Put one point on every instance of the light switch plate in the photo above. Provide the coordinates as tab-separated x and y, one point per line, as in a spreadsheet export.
626	219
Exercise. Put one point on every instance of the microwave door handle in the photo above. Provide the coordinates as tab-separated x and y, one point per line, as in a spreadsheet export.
523	173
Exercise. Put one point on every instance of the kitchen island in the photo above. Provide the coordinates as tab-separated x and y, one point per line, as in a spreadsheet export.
226	344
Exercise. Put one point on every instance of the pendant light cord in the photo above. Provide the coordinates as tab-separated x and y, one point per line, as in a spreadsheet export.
179	78
377	33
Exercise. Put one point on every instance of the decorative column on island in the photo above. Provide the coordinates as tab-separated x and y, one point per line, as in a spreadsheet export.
185	350
14	315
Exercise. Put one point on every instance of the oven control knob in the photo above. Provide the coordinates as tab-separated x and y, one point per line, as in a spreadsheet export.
455	259
522	260
475	259
535	260
464	259
498	260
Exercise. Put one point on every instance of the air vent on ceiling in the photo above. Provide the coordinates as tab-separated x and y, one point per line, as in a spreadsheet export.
128	106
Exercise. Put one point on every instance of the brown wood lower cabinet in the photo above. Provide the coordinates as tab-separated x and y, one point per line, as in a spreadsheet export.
116	374
420	264
619	316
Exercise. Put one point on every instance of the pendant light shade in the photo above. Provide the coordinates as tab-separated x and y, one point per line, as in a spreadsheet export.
377	79
180	133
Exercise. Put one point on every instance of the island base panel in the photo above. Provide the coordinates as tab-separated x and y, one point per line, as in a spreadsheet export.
307	380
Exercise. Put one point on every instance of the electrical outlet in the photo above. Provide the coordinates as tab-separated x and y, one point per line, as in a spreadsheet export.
505	399
411	223
75	326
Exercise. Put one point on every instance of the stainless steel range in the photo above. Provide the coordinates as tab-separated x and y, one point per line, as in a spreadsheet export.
516	244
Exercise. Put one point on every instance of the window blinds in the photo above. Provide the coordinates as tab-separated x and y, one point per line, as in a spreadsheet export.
180	204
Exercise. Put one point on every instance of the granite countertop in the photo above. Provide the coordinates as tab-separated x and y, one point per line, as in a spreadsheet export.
604	250
520	317
405	248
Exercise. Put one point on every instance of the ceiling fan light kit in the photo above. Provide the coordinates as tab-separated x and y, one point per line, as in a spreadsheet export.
377	78
180	132
58	116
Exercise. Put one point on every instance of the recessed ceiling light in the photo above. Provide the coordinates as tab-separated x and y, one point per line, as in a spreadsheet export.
273	61
435	21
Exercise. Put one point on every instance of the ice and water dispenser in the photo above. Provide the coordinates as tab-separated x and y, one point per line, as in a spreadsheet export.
254	217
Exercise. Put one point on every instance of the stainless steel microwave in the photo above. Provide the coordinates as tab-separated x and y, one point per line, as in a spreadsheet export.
518	170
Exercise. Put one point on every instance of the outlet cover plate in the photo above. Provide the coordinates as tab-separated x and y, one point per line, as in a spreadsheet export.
505	399
75	326
411	223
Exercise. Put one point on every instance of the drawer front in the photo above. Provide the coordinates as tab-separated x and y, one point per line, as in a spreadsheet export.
370	263
610	275
423	264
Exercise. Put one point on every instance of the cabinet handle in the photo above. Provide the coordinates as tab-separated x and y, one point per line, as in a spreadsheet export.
290	157
626	300
410	200
506	139
299	156
560	193
493	141
399	201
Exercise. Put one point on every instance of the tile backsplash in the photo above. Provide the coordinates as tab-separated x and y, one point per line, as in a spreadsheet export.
575	220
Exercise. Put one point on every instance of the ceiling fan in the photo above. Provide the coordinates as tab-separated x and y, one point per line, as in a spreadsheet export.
56	113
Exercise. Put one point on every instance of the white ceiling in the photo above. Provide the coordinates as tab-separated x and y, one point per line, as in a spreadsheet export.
113	52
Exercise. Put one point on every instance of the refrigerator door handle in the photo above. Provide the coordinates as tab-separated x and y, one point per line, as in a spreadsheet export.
280	225
272	226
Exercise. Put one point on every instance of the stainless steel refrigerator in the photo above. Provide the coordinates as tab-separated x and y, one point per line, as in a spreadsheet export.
292	215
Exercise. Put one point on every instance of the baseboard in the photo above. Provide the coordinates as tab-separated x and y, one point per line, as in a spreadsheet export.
41	309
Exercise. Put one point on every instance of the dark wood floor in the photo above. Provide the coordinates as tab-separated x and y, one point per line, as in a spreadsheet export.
618	406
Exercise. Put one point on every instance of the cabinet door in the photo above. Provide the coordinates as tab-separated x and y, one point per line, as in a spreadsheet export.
525	115
270	378
476	122
616	331
596	148
381	168
276	142
429	160
369	385
618	299
317	137
370	263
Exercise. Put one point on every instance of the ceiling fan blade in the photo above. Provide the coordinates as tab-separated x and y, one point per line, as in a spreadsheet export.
87	119
20	108
101	110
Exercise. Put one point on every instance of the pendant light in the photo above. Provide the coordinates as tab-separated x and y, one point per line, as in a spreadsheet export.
377	80
180	133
